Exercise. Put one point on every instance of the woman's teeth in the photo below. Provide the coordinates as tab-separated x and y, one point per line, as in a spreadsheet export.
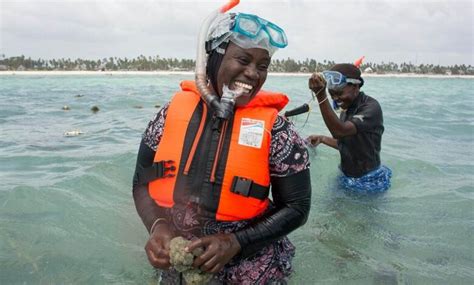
246	88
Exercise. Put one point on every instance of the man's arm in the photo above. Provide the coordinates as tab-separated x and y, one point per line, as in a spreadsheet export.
332	142
315	140
337	128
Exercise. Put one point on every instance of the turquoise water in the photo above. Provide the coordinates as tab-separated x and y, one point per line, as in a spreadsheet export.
67	215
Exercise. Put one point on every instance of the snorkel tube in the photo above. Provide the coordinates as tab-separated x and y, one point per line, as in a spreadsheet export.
225	106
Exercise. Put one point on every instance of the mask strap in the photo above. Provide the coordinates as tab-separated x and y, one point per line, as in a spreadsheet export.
220	50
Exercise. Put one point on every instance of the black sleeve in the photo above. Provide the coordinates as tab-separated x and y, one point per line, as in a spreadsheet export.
292	198
146	207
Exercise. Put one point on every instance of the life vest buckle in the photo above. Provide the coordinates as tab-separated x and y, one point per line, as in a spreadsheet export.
167	166
160	169
241	186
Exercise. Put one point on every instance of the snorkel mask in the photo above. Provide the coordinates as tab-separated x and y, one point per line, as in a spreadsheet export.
246	31
337	81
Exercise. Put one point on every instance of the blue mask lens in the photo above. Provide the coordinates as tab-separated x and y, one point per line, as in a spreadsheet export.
337	81
251	26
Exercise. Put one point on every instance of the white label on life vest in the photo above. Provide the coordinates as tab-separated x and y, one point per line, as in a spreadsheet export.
251	132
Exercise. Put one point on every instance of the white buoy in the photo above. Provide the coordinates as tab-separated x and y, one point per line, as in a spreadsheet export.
73	133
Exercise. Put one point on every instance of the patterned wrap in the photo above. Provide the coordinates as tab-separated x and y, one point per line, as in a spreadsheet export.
376	181
272	264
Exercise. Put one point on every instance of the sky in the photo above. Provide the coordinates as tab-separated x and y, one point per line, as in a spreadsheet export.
428	32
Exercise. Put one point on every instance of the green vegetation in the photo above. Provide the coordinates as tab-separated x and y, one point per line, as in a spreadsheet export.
156	63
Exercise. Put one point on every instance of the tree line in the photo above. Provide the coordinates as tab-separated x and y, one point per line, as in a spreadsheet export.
156	63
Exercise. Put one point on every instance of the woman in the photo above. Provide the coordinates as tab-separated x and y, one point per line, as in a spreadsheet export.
206	175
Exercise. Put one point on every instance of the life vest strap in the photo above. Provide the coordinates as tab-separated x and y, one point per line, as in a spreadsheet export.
247	188
160	169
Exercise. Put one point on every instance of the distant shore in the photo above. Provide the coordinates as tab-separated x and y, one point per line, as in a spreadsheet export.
109	73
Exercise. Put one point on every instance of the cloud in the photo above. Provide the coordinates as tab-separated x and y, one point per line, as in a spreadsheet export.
423	31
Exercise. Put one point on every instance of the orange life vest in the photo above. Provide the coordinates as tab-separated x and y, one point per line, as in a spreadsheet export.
225	168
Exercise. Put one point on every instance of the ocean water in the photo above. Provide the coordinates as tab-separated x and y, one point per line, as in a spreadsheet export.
67	214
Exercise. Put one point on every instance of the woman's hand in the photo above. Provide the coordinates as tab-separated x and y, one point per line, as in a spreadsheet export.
218	251
158	247
317	83
315	140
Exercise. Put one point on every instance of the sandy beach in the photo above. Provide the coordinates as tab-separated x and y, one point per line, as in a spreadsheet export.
111	73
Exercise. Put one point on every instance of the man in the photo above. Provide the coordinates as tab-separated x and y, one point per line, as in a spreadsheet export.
357	134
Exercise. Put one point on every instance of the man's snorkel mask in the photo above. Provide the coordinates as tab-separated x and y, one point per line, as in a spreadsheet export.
246	31
337	81
342	74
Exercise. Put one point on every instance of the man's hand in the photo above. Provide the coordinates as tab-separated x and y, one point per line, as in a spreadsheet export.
218	251
317	84
158	247
315	140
